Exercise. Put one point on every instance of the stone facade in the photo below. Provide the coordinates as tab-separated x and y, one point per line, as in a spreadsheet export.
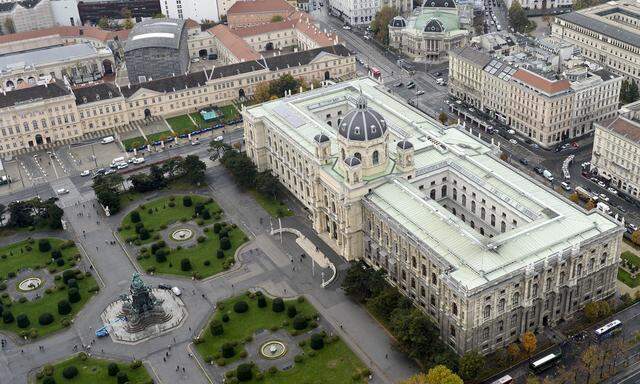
27	15
607	33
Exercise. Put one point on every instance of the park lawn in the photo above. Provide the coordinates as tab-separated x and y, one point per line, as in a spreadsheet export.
626	278
229	112
274	207
48	302
165	214
133	142
197	255
94	370
631	257
197	117
153	137
181	124
241	325
18	257
334	363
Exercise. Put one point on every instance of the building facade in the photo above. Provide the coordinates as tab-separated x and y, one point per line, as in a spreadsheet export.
540	105
198	10
485	251
47	115
430	32
155	49
26	15
541	4
249	13
91	11
607	34
616	150
65	12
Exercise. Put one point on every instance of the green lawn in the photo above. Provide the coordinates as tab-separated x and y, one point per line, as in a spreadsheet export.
159	136
181	124
134	142
631	257
229	112
274	207
335	363
626	278
200	255
245	324
25	254
94	371
163	214
199	120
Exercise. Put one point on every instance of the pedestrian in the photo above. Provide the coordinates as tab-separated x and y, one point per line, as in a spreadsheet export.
183	370
164	359
177	368
386	356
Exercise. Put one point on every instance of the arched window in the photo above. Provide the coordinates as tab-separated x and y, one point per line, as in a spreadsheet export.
516	298
376	157
562	276
453	210
503	226
413	262
422	292
413	283
482	213
501	305
358	156
493	220
434	279
404	275
432	194
464	200
454	309
535	290
464	219
473	225
481	231
455	194
579	270
342	153
486	312
473	207
548	284
443	191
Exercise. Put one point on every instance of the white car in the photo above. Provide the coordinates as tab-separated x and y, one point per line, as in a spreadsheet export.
195	60
602	184
176	291
511	132
367	37
420	92
348	28
219	138
513	141
612	190
62	191
604	197
565	186
85	173
122	165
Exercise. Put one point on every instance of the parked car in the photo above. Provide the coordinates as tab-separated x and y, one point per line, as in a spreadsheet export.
511	132
348	28
102	332
565	185
420	92
86	172
62	191
176	291
604	197
219	138
523	161
513	141
612	190
538	169
164	286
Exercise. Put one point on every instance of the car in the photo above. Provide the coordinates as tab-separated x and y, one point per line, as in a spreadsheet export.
176	291
195	60
399	84
621	209
632	226
86	172
523	161
601	184
513	141
109	171
565	185
410	83
458	102
219	138
195	142
166	287
367	37
612	190
603	197
539	170
411	86
348	28
123	166
183	135
420	92
62	191
438	74
574	144
218	126
447	101
102	332
471	110
511	132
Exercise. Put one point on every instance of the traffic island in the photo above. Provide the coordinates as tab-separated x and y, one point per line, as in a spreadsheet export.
82	369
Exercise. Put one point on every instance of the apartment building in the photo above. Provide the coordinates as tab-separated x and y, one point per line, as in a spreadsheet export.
608	34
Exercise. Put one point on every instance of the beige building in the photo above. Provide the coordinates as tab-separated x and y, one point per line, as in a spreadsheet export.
50	114
607	33
616	150
26	15
539	105
249	13
487	252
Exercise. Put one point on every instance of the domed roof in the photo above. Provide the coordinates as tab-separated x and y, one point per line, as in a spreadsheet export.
352	161
398	22
362	123
405	144
321	138
434	25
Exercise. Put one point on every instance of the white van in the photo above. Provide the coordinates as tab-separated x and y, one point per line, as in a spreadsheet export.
547	175
138	160
117	160
108	139
604	208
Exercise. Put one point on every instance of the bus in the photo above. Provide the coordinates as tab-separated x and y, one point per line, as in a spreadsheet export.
546	362
504	380
609	329
375	72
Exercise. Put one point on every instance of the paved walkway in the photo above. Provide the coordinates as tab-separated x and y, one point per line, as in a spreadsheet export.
264	263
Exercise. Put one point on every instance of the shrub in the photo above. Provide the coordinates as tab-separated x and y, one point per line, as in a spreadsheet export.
113	369
121	377
217	227
186	201
135	217
23	321
70	372
7	317
277	305
244	373
185	264
298	358
292	311
220	254
161	257
67	275
45	319
317	341
144	234
206	215
228	350
241	307
72	283
225	318
44	245
207	263
56	254
60	262
135	364
300	322
300	299
171	204
22	300
3	286
73	295
272	370
225	243
139	227
49	380
262	302
216	328
201	239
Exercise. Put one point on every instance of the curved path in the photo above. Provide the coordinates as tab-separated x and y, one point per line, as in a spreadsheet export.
265	263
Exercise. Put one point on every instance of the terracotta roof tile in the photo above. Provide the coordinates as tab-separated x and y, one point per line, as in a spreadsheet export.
233	42
65	31
258	6
624	127
550	87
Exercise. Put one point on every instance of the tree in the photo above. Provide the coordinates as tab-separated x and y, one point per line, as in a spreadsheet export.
216	328
299	321
443	117
23	321
64	307
277	305
632	93
44	245
291	311
193	169
172	167
241	168
317	341
635	237
590	205
185	264
7	317
45	319
9	26
267	184
581	4
103	23
363	282
592	359
122	378
244	372
442	375
574	197
380	24
70	372
262	92
73	295
470	365
159	16
107	190
113	369
3	209
385	303
418	378
529	342
518	17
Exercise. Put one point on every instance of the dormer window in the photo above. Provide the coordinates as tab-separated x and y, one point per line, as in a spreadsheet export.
97	97
84	99
110	94
357	130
